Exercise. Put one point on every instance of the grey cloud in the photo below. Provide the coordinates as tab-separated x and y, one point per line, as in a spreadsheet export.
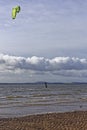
65	66
71	73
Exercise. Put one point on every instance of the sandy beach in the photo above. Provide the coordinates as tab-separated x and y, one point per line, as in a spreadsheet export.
52	121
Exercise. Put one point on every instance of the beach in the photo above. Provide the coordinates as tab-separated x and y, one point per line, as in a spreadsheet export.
51	121
34	107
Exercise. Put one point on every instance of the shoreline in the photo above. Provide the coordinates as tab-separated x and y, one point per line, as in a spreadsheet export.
76	120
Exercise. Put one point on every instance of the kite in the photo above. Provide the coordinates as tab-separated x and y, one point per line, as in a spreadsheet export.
15	11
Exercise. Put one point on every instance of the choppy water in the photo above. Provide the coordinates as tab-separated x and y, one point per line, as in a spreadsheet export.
25	99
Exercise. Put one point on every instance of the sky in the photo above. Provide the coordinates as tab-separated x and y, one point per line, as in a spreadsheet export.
46	42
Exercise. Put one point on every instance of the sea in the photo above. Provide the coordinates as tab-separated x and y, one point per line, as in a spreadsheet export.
22	99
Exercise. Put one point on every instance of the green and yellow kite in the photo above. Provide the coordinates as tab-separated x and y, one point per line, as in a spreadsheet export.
15	11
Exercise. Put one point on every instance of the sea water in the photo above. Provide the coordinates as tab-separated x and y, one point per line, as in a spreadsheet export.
26	99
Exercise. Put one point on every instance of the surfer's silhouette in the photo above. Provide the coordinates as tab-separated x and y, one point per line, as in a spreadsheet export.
45	84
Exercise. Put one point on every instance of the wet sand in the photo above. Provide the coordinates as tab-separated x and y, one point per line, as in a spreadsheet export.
53	121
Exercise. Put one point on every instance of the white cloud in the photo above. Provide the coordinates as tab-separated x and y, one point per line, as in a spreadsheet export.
65	66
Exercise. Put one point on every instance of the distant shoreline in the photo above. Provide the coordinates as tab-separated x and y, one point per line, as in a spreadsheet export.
46	82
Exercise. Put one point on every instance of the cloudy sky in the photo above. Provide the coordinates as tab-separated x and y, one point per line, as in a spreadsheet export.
46	42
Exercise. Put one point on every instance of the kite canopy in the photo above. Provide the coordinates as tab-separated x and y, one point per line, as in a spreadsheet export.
15	11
